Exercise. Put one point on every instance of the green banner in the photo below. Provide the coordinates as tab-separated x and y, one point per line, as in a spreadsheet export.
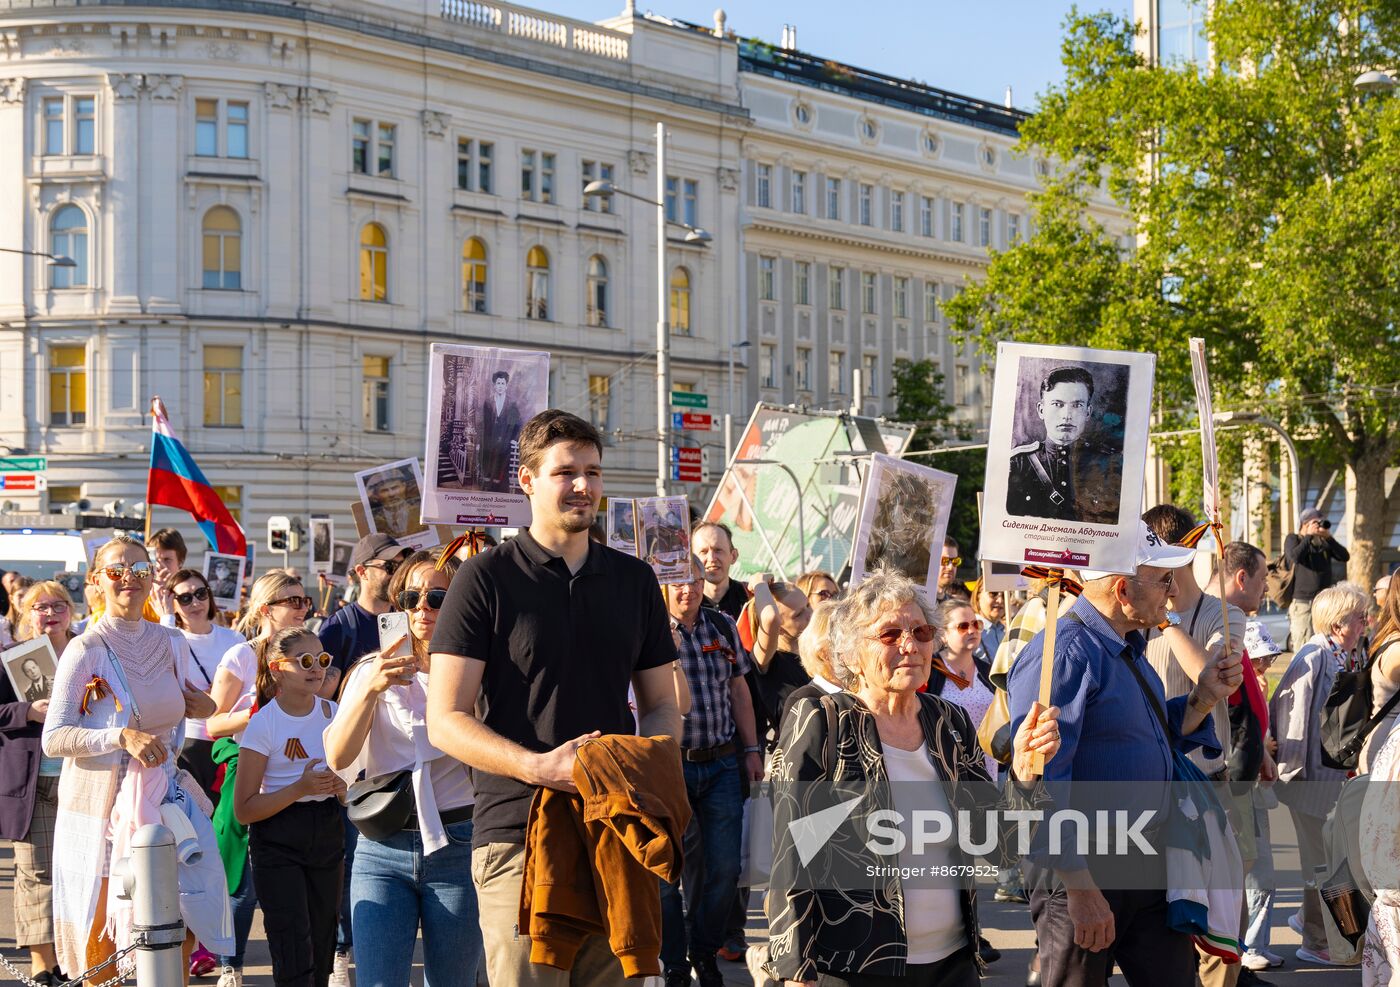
688	399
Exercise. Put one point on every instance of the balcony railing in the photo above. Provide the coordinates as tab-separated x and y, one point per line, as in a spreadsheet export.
532	25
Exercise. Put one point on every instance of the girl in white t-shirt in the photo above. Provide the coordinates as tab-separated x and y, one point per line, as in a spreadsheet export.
288	800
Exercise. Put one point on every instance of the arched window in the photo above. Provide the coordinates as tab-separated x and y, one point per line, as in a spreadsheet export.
223	249
537	284
474	276
68	237
597	293
374	264
680	302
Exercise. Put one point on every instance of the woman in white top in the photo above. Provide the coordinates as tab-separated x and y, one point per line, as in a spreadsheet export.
958	676
1385	673
419	876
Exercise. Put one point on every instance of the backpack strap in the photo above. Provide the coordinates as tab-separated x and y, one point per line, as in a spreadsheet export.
829	744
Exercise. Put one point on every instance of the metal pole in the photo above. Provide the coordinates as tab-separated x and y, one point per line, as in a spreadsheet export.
150	881
663	330
801	528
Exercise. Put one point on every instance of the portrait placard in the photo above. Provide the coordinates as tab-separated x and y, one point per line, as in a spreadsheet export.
1210	461
1002	577
478	399
663	537
31	667
903	518
224	574
339	572
320	543
622	524
1066	453
392	496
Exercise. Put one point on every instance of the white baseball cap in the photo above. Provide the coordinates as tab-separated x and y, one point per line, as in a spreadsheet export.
1151	550
1258	642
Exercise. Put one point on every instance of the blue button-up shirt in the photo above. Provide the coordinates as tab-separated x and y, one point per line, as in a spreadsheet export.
1108	731
711	656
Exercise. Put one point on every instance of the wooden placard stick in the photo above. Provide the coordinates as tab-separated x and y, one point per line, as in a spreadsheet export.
1220	573
1047	653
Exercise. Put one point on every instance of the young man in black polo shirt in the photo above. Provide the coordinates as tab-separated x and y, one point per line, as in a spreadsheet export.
542	636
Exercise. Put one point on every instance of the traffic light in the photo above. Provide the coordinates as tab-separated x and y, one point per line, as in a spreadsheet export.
279	534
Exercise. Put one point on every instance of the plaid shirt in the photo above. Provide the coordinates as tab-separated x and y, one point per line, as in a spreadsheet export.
711	657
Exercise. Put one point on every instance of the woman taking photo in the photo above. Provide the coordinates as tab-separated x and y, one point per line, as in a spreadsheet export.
769	626
118	702
895	749
420	876
27	816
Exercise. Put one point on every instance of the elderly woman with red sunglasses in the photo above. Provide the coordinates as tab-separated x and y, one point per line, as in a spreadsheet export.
841	911
419	875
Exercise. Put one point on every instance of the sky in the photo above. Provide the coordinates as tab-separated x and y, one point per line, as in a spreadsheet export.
972	47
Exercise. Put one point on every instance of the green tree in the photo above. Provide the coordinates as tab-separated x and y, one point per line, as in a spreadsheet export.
919	393
1265	201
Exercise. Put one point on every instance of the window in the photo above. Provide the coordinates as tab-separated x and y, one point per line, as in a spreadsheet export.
67	385
763	190
372	147
680	301
691	190
901	298
767	365
930	301
867	292
960	381
232	498
387	132
212	116
597	292
802	283
474	165
836	372
236	130
359	147
802	369
374	264
799	192
867	196
988	157
833	198
766	289
897	211
925	215
984	227
375	393
868	372
1181	32
68	237
67	493
223	249
537	284
597	171
957	235
206	127
836	289
474	276
223	386
1013	228
58	138
599	399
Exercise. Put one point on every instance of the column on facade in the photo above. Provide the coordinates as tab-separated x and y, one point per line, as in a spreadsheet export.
162	246
278	235
122	218
318	148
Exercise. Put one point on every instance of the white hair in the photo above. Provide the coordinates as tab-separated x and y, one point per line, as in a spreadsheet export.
882	591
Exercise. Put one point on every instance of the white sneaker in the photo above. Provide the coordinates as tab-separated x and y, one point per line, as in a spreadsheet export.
754	958
230	977
1274	958
1317	958
1258	961
340	972
1295	922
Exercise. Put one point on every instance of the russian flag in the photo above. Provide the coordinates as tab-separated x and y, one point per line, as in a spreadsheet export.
175	481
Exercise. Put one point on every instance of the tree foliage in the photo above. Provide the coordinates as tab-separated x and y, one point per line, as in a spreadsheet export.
1264	198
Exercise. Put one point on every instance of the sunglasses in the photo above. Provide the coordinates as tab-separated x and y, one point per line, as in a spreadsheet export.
952	560
306	661
963	626
410	598
893	635
185	599
295	602
50	608
389	567
139	571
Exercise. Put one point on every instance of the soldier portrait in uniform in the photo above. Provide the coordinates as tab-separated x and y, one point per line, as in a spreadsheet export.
224	574
663	537
31	667
322	535
500	430
1067	461
392	496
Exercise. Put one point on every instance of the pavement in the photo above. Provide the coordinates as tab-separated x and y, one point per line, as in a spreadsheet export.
1007	926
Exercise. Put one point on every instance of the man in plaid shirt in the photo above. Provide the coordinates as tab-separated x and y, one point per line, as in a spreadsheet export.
717	737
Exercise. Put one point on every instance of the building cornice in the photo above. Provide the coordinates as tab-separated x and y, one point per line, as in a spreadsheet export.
881	246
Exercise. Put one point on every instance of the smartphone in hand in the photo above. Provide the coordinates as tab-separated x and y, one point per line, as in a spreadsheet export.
394	634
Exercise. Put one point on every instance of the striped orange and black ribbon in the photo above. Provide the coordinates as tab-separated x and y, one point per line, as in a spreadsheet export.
294	749
1193	537
1067	582
96	691
475	539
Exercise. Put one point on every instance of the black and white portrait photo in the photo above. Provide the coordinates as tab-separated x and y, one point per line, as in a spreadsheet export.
225	576
903	518
622	524
31	667
340	562
1067	447
322	537
479	397
392	496
663	537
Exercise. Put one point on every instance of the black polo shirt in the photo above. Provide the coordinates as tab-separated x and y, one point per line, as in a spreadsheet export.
732	602
560	651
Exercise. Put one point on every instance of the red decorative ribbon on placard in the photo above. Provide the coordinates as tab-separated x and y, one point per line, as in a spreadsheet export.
96	691
1067	583
474	539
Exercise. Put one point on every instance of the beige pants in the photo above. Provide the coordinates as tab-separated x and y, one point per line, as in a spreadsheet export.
1312	851
497	870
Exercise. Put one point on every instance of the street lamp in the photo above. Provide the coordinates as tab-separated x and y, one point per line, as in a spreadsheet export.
1290	518
57	260
729	403
693	234
1374	81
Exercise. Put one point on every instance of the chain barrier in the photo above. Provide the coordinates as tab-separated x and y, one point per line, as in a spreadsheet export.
79	980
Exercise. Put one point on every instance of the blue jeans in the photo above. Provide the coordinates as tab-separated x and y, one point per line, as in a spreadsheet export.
244	902
344	934
1259	887
394	889
711	873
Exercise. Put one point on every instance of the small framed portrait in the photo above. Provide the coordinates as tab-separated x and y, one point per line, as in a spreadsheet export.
622	524
1066	453
392	496
320	543
1002	577
339	572
224	574
31	667
903	518
663	537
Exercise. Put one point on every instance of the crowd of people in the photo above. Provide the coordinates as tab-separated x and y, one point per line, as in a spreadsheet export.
540	760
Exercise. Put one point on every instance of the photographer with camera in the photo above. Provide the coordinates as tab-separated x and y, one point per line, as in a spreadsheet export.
1311	552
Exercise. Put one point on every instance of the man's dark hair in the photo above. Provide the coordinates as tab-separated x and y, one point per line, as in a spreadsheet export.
169	540
1242	556
950	542
500	375
1068	375
1169	523
551	426
713	524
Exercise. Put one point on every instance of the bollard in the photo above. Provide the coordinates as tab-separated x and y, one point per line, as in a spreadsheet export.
150	881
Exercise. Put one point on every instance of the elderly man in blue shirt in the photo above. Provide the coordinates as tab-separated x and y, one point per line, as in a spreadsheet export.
1116	752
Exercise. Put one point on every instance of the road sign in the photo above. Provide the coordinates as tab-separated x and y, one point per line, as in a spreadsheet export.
23	464
691	421
21	482
686	464
689	399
